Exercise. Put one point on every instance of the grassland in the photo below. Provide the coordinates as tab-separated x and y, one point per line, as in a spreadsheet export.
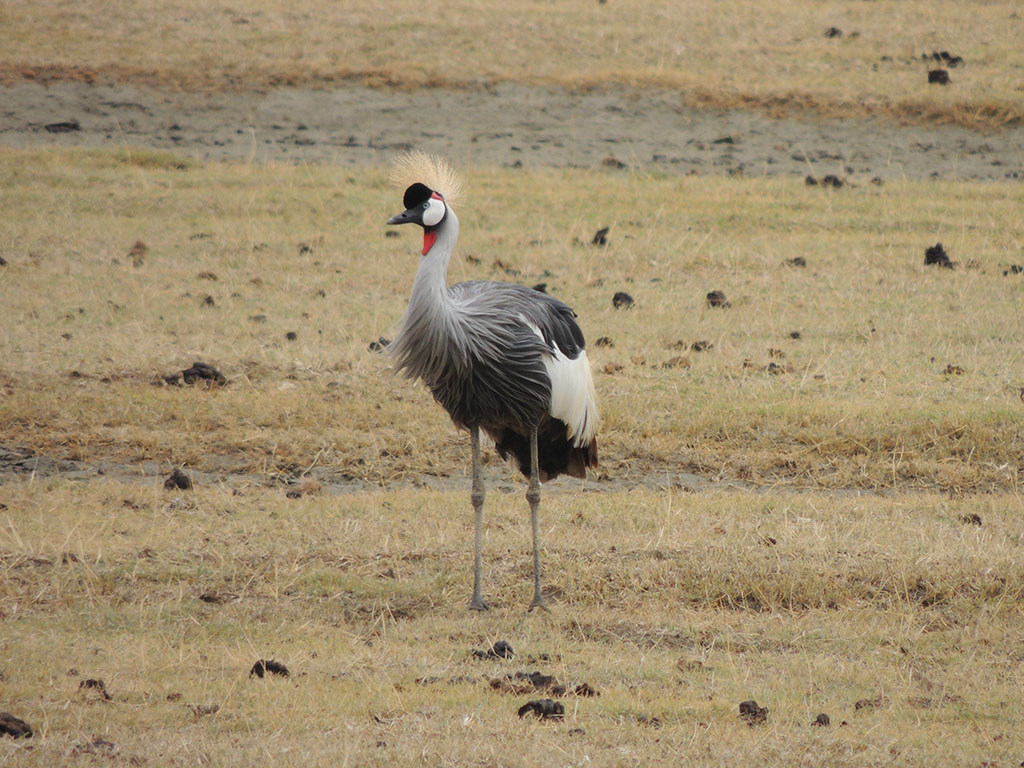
832	558
903	376
770	55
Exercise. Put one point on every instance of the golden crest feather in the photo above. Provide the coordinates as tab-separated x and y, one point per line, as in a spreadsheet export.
432	170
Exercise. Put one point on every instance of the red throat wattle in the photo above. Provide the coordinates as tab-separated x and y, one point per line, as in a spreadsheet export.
429	236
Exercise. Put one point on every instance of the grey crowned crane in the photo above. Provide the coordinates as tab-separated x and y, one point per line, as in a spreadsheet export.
499	357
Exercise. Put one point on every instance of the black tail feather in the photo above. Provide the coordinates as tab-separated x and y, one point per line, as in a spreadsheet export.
556	455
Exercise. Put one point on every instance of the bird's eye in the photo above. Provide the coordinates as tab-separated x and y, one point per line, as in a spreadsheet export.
433	212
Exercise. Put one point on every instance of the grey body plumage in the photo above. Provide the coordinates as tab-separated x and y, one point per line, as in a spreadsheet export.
498	357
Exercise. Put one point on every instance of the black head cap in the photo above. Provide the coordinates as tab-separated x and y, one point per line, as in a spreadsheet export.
415	195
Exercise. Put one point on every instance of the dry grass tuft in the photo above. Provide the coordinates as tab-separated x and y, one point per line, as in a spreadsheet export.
774	56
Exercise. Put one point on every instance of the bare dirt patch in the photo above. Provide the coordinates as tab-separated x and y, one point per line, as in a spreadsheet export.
506	125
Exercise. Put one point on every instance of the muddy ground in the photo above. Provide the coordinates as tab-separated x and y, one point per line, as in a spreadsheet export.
508	125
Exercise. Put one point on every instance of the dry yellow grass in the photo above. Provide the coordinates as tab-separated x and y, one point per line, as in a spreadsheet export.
861	399
771	55
674	607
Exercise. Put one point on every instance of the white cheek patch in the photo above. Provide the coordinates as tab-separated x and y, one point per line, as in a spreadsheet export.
434	213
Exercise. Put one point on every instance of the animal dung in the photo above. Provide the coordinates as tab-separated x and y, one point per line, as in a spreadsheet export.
500	650
752	713
66	126
833	32
604	341
178	481
936	256
796	261
679	361
95	684
379	344
291	335
138	253
600	237
199	373
972	519
717	299
943	57
622	300
702	346
938	77
953	370
867	703
831	180
822	720
208	301
545	709
1013	269
14	727
268	666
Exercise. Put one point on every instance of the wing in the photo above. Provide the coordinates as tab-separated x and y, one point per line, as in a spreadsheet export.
532	339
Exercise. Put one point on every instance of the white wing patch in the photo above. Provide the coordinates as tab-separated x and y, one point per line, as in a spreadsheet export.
573	399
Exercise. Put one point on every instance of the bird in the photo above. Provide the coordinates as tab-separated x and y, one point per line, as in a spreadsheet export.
501	358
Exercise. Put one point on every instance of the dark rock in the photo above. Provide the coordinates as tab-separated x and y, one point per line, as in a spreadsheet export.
64	127
936	256
379	344
545	709
500	650
833	32
938	76
753	714
178	480
3	261
810	181
622	300
14	727
717	299
265	666
794	334
822	719
600	237
585	690
291	335
208	301
724	140
832	181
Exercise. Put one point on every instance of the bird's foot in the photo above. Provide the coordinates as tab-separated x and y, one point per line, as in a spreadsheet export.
538	602
478	604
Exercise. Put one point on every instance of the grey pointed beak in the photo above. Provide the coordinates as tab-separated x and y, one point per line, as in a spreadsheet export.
410	216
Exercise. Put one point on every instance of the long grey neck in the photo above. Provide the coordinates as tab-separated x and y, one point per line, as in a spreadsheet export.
424	346
430	287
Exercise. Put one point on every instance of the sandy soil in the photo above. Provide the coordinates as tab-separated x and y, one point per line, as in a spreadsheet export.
509	125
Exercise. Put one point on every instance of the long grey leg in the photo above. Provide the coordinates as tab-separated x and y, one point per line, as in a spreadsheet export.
533	497
477	497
